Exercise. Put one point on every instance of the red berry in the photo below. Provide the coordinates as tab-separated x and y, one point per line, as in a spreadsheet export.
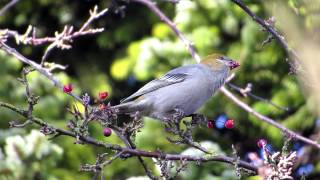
261	143
107	132
103	95
210	124
229	124
67	88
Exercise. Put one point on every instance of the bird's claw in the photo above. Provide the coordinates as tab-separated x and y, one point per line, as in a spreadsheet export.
178	114
197	119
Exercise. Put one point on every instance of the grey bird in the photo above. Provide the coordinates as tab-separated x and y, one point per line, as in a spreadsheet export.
184	89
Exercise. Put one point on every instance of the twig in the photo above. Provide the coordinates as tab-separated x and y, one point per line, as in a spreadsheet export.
152	6
245	93
97	168
267	119
270	29
36	66
67	35
129	144
61	40
8	6
143	163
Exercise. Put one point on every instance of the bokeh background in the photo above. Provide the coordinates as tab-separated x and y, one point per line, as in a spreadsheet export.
137	47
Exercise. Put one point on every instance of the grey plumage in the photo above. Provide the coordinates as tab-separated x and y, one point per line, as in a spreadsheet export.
185	88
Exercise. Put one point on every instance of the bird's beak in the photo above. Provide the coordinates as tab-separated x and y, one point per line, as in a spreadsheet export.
233	64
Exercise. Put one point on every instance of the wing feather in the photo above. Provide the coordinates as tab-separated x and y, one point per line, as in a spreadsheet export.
166	80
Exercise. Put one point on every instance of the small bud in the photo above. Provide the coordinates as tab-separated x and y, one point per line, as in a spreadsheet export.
261	143
107	132
102	107
86	99
210	124
67	88
103	95
229	124
71	124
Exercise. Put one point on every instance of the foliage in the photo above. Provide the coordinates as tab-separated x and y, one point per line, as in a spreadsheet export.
30	153
134	49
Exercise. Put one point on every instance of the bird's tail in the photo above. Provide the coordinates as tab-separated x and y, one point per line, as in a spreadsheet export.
128	107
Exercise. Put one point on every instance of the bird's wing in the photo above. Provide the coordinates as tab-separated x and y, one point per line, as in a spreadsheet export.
166	80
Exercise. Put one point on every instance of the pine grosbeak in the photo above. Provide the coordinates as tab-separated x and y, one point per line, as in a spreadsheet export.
184	89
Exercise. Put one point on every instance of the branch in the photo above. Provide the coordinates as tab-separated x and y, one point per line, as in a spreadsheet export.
36	66
247	92
8	6
152	6
133	152
270	29
61	40
267	119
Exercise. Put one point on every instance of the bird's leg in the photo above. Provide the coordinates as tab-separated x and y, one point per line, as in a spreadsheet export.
178	115
136	115
173	120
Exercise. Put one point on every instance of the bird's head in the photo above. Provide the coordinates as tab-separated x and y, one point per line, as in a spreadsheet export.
218	61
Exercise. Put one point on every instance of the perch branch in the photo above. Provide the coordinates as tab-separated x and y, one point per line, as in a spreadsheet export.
132	152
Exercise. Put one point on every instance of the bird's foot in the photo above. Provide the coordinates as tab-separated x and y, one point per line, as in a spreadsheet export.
136	115
178	115
198	119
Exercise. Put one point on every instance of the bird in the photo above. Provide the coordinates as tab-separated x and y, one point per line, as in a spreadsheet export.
182	90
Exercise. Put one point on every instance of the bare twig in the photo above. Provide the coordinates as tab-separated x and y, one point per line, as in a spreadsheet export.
37	67
67	35
129	144
97	168
142	162
8	6
247	92
267	119
269	27
61	40
151	5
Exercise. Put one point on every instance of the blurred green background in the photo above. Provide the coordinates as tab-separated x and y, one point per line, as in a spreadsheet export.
135	48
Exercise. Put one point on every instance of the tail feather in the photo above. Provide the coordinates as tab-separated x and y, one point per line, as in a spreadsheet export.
127	108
